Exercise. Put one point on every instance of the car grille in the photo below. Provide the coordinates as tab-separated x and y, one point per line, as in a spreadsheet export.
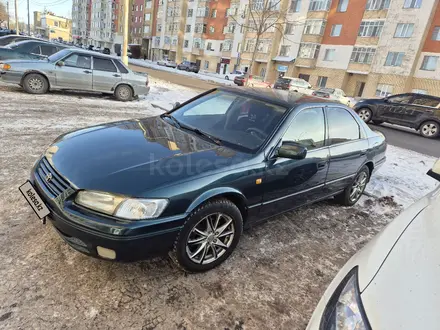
50	179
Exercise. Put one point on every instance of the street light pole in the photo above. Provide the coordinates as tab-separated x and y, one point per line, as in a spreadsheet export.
124	56
16	17
29	20
7	8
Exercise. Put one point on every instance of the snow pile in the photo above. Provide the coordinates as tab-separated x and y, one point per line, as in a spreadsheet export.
403	176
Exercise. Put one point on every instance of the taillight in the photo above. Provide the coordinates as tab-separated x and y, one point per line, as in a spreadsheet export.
314	94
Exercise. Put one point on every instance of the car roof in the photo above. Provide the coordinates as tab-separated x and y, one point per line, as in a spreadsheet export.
40	41
287	99
92	53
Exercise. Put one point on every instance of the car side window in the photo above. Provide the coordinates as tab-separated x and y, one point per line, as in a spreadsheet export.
426	101
121	68
48	50
307	129
35	50
78	61
400	99
342	126
103	64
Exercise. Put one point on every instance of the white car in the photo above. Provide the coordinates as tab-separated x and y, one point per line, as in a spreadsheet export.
333	94
294	84
167	63
394	281
233	74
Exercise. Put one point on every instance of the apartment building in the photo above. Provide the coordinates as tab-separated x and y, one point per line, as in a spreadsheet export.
52	27
81	20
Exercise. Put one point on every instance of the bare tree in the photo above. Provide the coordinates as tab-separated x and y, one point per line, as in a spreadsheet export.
3	13
262	16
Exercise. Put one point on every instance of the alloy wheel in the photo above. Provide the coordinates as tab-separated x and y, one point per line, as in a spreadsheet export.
35	84
430	129
210	238
124	93
365	114
358	186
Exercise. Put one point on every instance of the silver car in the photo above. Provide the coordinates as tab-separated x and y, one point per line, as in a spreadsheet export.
78	70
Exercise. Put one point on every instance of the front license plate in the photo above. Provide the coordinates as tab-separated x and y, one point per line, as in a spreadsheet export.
34	200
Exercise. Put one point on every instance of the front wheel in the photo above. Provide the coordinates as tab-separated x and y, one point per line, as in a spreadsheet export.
365	114
188	70
354	191
430	129
124	93
35	83
209	236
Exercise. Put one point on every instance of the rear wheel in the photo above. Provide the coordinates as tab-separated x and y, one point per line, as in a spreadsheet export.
209	236
365	114
353	192
187	69
35	83
430	129
124	93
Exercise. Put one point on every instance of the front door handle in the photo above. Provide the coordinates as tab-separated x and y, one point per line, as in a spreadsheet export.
87	71
322	165
363	152
116	75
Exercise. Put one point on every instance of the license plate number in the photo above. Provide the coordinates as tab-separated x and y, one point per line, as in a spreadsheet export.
34	200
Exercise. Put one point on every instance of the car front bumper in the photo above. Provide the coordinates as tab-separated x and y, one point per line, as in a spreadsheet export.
11	77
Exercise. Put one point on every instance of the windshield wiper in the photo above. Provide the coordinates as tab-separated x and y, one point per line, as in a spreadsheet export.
173	119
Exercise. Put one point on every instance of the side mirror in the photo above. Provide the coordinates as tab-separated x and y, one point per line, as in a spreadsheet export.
292	150
60	63
435	171
176	105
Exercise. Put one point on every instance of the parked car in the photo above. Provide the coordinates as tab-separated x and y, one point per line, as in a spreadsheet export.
167	63
233	74
293	84
5	32
333	94
29	49
189	66
106	51
189	180
76	69
8	39
418	111
253	81
392	283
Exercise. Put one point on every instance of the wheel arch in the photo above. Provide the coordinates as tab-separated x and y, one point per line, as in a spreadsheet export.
370	166
35	71
435	120
124	83
231	194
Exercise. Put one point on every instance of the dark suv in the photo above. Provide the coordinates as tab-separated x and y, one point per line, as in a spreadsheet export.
418	111
189	66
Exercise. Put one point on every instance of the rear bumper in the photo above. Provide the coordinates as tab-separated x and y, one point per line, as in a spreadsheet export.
141	90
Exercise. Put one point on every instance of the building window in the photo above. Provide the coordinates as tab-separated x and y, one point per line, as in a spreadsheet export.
209	47
342	5
257	4
289	28
394	59
370	28
322	81
284	50
308	50
185	43
329	55
238	47
362	55
429	63
206	66
211	29
137	8
167	40
404	30
214	13
136	19
147	17
336	30
412	4
314	26
250	45
383	90
436	33
174	42
221	47
295	6
190	12
188	28
377	4
231	28
319	5
159	27
146	29
142	7
263	46
202	11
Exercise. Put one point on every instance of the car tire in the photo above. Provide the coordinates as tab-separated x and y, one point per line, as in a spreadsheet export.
187	69
429	129
365	114
124	93
354	191
35	83
227	78
194	252
377	122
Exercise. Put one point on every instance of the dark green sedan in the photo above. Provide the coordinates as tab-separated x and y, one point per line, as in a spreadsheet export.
188	181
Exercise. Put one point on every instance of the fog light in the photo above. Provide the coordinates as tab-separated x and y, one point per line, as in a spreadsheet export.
106	253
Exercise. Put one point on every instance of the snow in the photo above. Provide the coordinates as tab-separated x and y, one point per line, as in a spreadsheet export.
403	176
202	75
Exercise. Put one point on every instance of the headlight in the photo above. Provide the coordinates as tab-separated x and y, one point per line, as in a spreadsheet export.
121	207
5	66
344	310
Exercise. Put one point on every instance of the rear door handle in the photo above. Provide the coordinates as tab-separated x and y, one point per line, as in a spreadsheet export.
116	75
87	71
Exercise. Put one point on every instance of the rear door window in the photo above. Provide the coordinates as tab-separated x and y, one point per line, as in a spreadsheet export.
426	101
36	50
48	50
121	68
342	126
103	64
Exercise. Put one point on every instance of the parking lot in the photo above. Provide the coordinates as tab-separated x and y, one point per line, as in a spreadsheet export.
272	281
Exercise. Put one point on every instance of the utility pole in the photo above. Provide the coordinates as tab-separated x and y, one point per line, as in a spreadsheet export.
124	56
7	8
29	20
16	18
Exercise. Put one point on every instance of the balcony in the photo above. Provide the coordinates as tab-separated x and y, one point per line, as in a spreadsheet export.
313	38
227	53
197	51
306	62
359	68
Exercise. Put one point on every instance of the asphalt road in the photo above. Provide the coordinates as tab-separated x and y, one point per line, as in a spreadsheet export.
396	135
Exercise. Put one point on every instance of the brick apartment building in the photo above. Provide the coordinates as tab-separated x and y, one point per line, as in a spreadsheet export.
365	47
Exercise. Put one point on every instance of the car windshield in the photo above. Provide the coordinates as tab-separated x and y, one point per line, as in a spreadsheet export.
326	90
58	55
283	80
238	121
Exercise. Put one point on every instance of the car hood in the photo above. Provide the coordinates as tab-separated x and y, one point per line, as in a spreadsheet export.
405	292
136	156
